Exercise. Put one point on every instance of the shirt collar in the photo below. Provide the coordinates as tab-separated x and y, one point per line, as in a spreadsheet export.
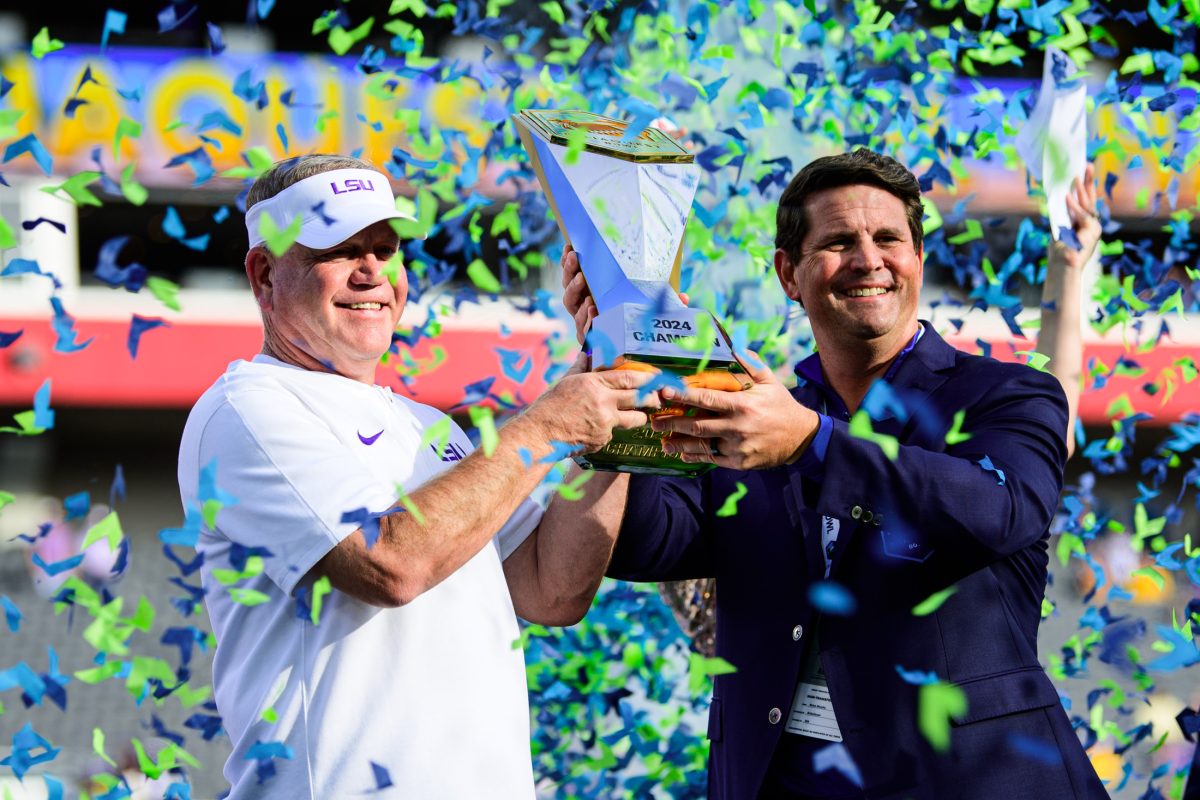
810	368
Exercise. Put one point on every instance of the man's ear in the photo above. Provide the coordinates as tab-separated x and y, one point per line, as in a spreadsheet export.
259	271
785	269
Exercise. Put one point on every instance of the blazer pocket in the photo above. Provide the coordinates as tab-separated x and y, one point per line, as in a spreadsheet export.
1006	693
715	722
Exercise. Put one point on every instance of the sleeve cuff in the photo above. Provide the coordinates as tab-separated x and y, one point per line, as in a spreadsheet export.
811	463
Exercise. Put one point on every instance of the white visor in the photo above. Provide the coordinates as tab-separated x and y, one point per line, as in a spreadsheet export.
332	207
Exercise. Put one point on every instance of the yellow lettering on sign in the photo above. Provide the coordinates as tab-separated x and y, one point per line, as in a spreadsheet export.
207	87
94	123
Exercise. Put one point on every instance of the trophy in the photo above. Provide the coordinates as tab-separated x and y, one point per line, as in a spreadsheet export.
622	203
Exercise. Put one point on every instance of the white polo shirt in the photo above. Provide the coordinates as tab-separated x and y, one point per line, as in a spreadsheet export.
433	692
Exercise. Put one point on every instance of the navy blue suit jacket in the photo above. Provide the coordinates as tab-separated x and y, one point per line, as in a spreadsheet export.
930	518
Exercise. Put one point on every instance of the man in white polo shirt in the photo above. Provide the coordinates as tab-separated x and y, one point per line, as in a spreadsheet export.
405	674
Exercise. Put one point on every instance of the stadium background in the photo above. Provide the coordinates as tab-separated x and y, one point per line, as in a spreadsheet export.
175	125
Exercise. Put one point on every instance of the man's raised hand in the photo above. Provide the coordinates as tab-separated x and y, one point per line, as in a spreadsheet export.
583	408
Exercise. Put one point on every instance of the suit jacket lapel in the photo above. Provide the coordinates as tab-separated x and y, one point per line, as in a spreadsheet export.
922	373
924	370
803	494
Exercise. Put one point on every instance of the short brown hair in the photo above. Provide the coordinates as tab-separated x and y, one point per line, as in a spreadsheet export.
283	174
861	166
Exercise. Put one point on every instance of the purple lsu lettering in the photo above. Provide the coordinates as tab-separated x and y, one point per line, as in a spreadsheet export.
352	185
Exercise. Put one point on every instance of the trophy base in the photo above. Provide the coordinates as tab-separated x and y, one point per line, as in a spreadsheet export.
639	451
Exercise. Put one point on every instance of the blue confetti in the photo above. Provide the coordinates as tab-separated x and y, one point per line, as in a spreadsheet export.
58	566
43	415
77	505
114	22
12	614
173	227
138	325
37	151
987	464
25	746
831	597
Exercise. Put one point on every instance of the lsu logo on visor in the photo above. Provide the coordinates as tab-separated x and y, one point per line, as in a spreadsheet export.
352	185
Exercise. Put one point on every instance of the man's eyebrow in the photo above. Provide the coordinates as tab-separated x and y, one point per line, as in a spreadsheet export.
829	234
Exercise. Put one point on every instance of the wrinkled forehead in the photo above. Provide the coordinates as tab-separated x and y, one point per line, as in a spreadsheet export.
853	197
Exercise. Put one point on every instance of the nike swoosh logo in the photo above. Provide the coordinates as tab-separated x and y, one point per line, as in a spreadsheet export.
369	440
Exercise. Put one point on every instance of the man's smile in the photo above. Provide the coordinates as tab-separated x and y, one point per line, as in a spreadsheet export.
866	291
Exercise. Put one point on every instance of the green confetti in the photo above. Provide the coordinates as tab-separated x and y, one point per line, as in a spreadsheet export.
133	191
410	506
258	161
320	588
937	704
554	11
248	597
1144	527
860	427
278	240
168	759
729	507
417	7
228	577
1173	303
98	746
508	222
43	44
576	139
1132	300
1122	405
165	291
955	435
438	432
7	239
143	669
482	277
341	40
25	421
572	490
974	230
189	697
143	616
126	129
75	187
6	498
932	219
98	674
324	22
108	528
393	267
1047	607
1068	543
482	418
209	511
8	120
701	668
1035	359
933	602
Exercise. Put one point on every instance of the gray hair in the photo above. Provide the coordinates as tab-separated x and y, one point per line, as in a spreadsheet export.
283	174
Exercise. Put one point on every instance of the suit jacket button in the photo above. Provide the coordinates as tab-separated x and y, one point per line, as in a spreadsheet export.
878	520
856	512
774	715
867	516
797	632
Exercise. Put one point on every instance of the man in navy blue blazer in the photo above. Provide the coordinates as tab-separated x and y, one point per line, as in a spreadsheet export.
898	468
